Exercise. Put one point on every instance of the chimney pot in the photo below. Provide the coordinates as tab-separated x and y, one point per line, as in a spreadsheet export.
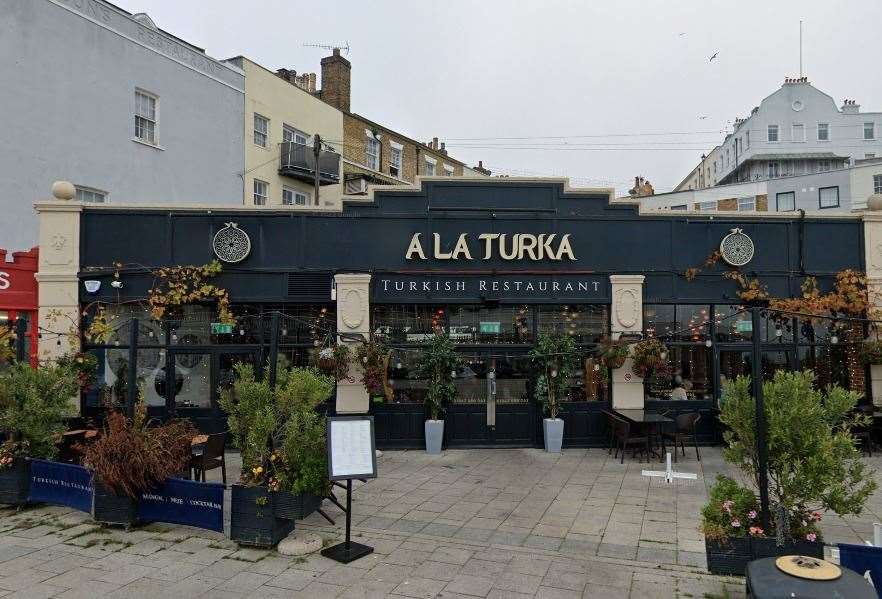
312	83
336	80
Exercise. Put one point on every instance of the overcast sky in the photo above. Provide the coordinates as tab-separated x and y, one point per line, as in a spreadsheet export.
617	73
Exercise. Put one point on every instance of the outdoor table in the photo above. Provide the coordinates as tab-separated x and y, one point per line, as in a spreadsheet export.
651	420
199	440
764	580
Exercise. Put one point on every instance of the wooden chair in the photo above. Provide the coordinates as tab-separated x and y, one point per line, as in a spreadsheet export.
625	439
684	426
209	456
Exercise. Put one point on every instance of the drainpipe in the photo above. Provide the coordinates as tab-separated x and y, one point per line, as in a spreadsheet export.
802	242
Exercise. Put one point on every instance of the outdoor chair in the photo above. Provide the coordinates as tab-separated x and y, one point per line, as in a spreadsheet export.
610	429
625	439
684	426
208	456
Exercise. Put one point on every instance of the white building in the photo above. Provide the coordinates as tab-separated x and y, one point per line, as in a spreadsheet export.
124	110
798	130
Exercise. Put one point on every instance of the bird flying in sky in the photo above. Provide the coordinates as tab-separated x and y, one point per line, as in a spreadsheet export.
711	59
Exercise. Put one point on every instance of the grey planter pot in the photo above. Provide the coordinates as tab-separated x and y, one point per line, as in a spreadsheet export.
553	432
434	436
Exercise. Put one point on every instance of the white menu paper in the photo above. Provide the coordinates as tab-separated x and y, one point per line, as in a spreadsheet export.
351	448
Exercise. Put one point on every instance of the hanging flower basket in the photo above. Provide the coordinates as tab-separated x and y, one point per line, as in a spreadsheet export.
613	353
647	355
871	353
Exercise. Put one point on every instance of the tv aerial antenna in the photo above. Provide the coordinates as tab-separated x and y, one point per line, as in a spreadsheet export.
344	47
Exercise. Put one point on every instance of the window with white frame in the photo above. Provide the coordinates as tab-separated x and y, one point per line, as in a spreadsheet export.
798	132
261	130
146	117
292	197
823	166
395	152
786	201
774	169
293	135
869	155
747	139
828	197
448	170
746	204
869	131
91	195
877	183
707	206
679	207
261	192
430	167
772	132
823	132
372	153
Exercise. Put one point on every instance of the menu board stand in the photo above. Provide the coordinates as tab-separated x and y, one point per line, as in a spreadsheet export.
351	454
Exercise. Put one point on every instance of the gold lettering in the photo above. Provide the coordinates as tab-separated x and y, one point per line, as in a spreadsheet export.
415	248
565	248
488	238
528	246
439	255
461	248
545	247
514	247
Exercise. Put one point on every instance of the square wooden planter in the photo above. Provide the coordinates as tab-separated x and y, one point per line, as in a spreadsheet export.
731	556
15	482
295	507
110	508
253	519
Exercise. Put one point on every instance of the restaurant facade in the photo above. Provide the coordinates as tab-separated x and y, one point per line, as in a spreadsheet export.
493	263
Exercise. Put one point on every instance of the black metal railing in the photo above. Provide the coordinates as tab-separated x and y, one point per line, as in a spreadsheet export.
297	160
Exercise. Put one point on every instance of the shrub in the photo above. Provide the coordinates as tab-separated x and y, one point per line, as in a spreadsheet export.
813	461
33	405
131	457
251	416
732	511
301	389
437	364
555	358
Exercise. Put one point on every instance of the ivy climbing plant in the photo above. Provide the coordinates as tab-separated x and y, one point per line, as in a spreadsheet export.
177	286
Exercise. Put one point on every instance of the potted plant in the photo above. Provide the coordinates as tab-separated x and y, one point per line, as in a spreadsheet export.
373	358
298	467
646	356
554	356
84	364
332	361
253	419
436	365
871	353
613	353
33	405
813	466
131	458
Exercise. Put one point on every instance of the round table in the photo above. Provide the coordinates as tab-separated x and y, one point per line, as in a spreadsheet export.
764	580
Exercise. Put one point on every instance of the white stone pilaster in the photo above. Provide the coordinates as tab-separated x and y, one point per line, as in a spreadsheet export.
353	317
873	260
58	284
627	317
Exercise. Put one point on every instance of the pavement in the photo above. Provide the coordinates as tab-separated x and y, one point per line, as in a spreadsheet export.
493	523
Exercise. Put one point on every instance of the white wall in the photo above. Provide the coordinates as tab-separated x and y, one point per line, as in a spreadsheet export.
69	73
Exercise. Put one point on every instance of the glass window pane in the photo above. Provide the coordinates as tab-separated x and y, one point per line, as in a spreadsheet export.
483	324
195	380
659	321
111	377
692	322
585	323
687	371
407	387
773	361
733	323
406	323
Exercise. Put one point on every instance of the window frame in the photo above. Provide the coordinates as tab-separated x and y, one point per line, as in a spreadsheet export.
680	207
826	128
372	159
703	206
797	127
294	196
396	150
778	195
254	195
752	201
820	202
255	132
877	183
429	163
871	127
449	171
777	130
154	121
295	132
85	189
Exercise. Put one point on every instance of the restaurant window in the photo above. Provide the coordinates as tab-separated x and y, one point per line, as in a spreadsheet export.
786	201
489	325
586	323
732	323
687	367
406	323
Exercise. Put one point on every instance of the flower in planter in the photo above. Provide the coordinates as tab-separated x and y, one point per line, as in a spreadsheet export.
811	537
756	531
752	515
736	523
727	505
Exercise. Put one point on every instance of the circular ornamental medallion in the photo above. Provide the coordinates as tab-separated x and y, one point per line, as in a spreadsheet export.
231	244
736	248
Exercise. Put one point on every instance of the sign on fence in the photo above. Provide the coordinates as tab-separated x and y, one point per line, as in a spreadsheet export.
184	502
61	484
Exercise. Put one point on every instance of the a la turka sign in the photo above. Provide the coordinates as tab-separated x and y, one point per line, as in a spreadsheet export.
487	246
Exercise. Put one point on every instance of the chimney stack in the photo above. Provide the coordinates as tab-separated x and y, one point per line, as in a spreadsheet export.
480	168
850	107
336	74
443	151
312	83
434	143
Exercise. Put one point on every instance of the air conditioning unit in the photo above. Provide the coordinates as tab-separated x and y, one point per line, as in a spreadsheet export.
357	186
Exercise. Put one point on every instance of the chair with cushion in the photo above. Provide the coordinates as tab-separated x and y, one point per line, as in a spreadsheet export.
625	438
208	456
685	426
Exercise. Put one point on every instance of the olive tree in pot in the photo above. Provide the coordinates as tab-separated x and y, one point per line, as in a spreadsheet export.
554	357
814	466
437	364
131	458
33	405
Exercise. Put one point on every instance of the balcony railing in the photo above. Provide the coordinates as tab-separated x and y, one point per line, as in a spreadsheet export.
297	160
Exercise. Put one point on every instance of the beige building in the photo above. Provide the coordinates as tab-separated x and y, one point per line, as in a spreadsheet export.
281	120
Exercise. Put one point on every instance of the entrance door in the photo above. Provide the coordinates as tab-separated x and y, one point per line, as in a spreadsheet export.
493	404
199	376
